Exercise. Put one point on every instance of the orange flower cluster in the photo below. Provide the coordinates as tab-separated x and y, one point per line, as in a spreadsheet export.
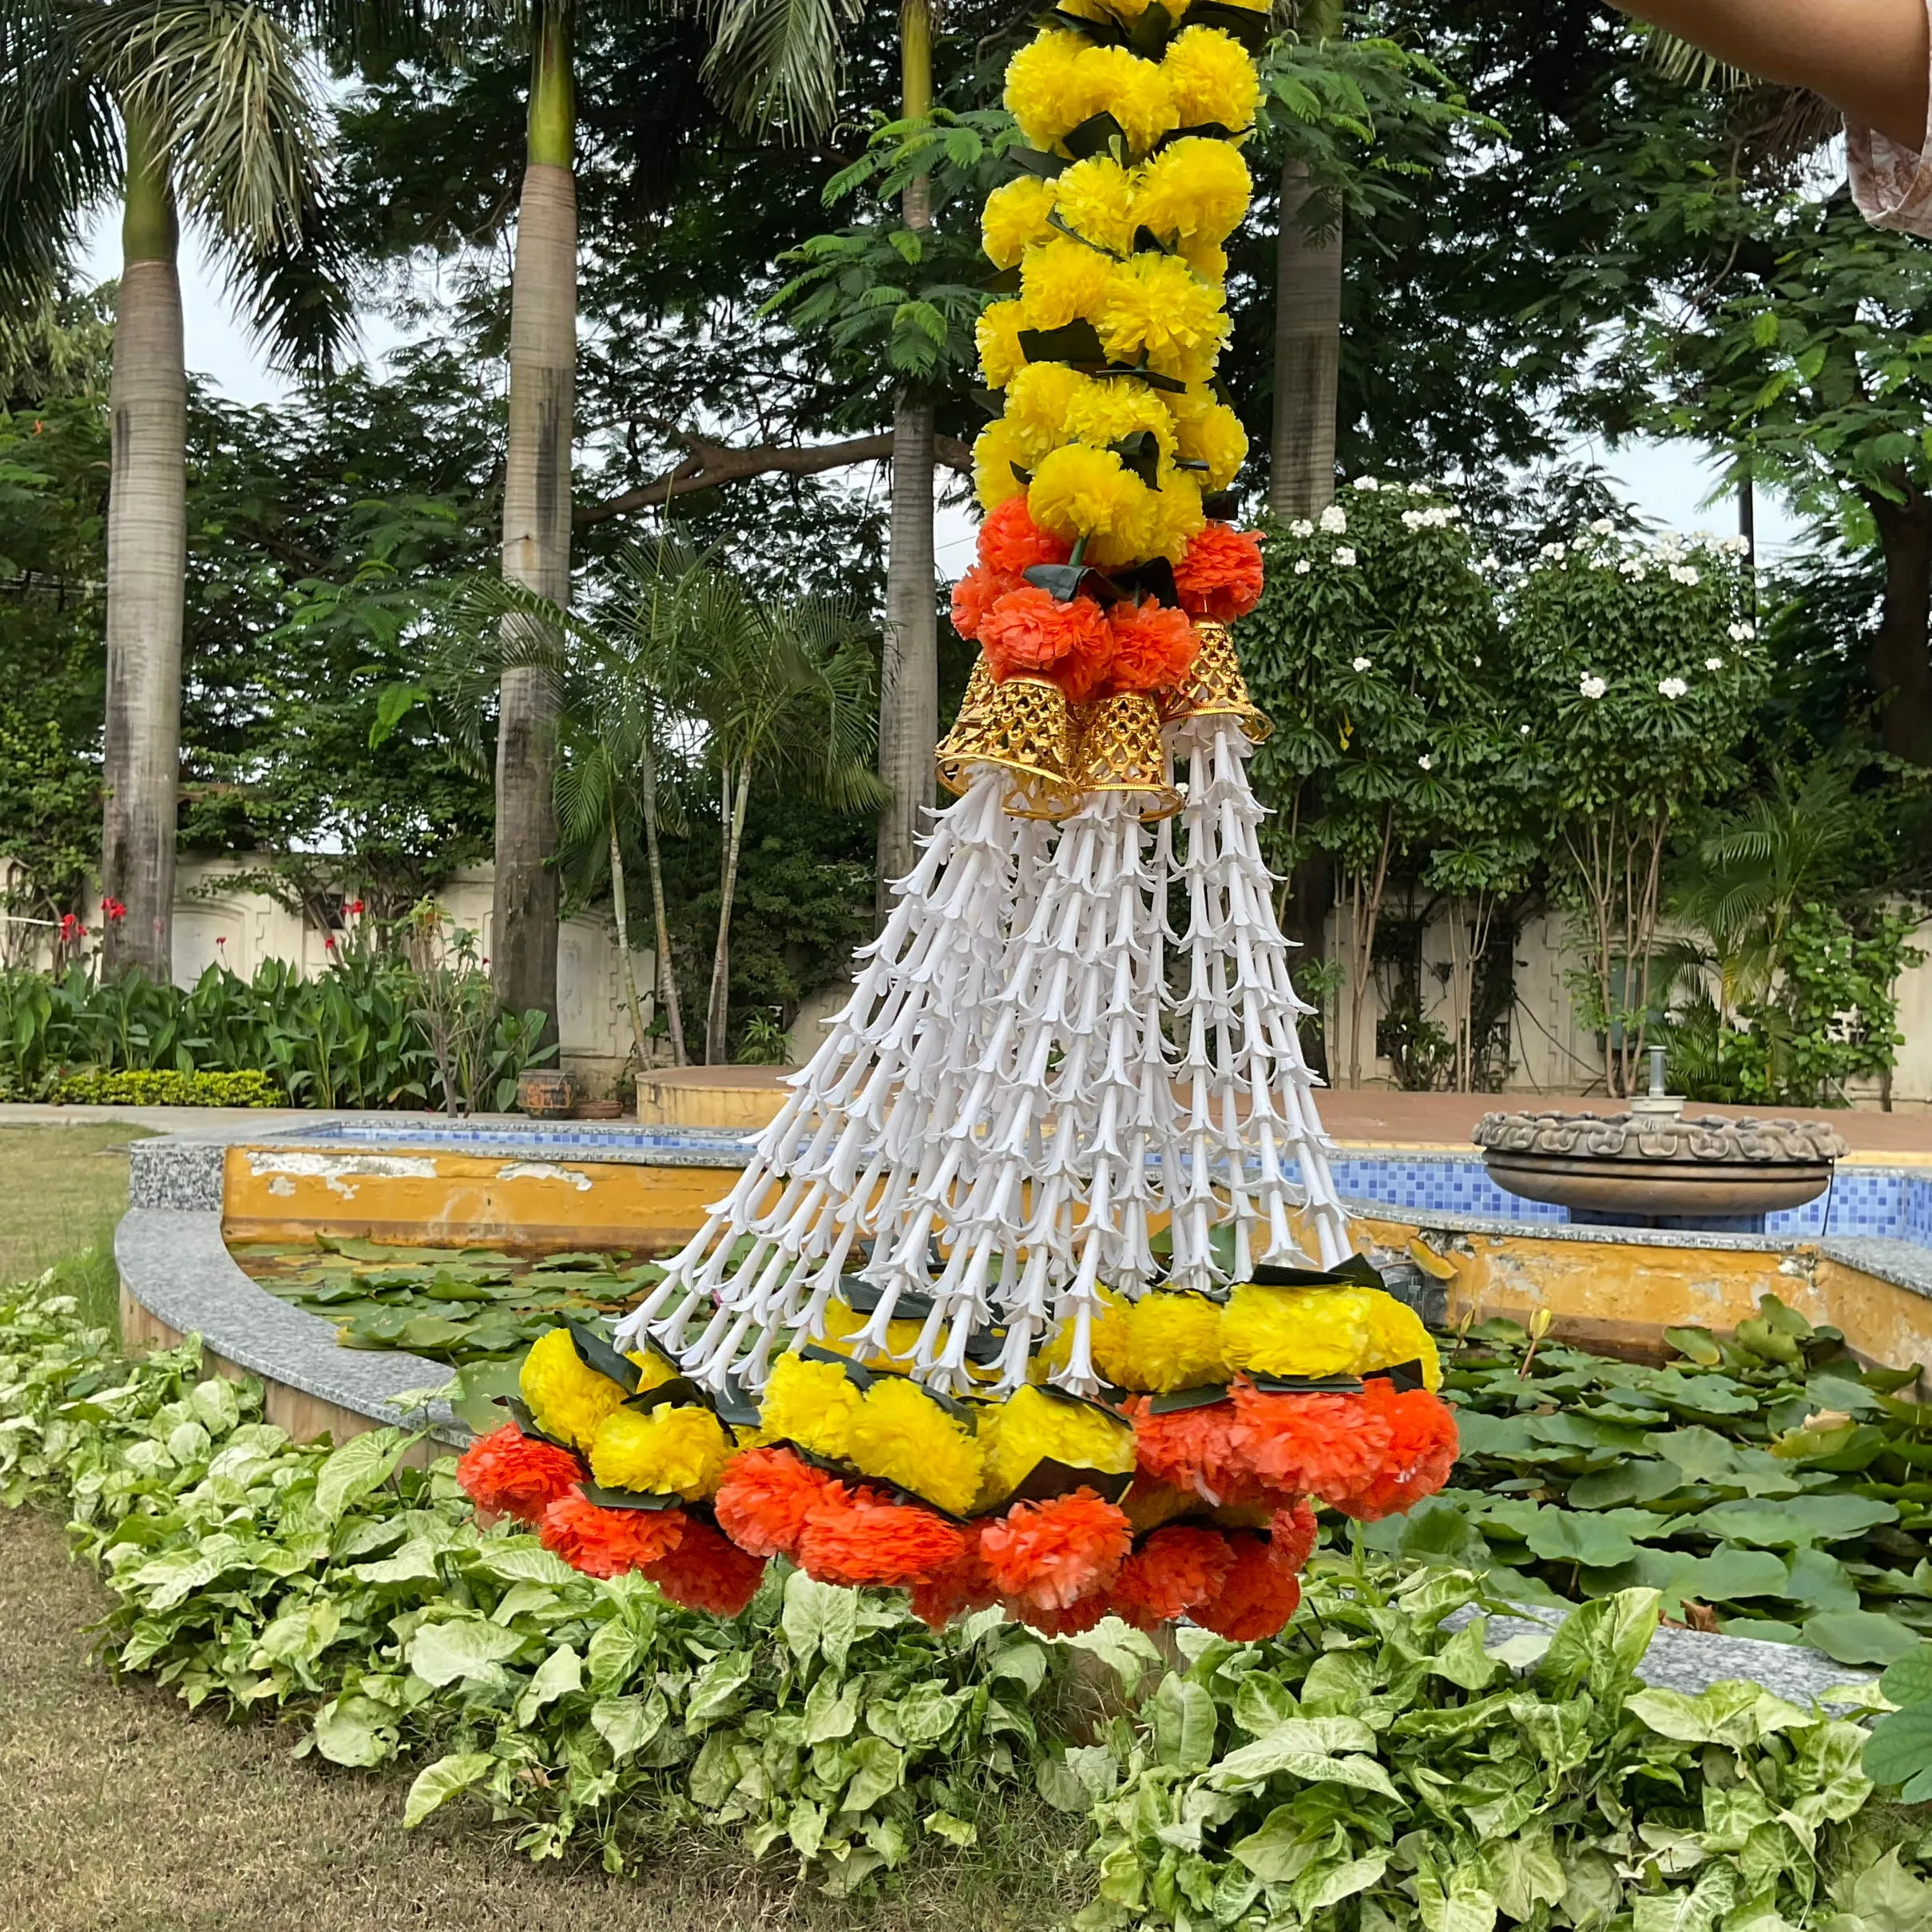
508	1474
1221	576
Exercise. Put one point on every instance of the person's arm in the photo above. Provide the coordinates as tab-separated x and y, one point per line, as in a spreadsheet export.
1871	56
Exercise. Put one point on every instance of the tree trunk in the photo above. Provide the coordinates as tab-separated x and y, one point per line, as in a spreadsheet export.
536	522
667	974
1901	661
1307	356
620	906
908	674
717	1014
147	562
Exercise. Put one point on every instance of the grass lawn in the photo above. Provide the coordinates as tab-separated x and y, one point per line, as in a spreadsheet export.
125	1814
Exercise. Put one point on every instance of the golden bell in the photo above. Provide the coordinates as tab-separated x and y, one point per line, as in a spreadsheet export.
1121	750
1215	688
1025	727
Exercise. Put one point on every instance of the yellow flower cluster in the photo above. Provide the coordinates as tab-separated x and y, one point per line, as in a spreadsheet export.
674	1450
568	1400
1175	1341
1129	242
963	1461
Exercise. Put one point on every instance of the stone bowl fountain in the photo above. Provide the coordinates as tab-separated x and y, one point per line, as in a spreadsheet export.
1640	1169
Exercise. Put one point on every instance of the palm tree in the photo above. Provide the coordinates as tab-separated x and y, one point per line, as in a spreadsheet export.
784	690
771	64
1307	325
200	105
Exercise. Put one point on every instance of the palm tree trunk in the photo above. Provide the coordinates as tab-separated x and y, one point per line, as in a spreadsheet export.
908	674
718	1013
667	976
620	906
1307	330
147	562
537	520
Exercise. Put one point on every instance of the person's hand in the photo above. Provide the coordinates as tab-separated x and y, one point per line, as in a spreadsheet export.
1872	57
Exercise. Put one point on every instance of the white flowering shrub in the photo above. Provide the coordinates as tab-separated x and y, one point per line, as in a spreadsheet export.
1641	675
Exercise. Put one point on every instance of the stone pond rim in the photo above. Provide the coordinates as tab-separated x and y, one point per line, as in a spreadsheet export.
1644	1165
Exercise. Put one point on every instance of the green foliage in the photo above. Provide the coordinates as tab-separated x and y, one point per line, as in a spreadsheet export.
363	1034
1900	1751
463	1306
166	1088
356	1595
1768	1478
1389	1764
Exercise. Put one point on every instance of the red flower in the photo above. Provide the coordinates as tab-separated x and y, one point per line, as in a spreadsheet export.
328	942
1172	1571
115	910
1028	632
976	593
857	1536
765	1499
1221	576
1011	541
1049	1554
1421	1452
608	1542
71	929
1257	1596
1153	646
509	1475
707	1572
353	905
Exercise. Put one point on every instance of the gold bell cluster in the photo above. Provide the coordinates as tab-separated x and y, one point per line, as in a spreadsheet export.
1055	756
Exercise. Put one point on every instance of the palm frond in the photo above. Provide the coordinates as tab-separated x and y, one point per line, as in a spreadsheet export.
779	62
1677	59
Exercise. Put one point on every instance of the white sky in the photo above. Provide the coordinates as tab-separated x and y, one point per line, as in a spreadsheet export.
1667	482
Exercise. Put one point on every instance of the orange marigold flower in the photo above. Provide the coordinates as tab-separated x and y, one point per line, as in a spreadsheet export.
1009	541
1257	1596
765	1499
707	1572
978	591
1050	1555
1323	1445
1153	646
1194	1449
858	1536
959	1591
1072	1621
608	1542
1172	1571
511	1474
1422	1451
1029	632
1221	576
1295	1532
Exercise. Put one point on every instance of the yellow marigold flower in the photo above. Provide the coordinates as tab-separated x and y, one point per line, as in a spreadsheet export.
811	1403
1096	200
1135	92
1193	188
1034	1427
1211	80
901	1434
1178	515
997	333
673	1451
1176	1343
1014	218
568	1400
1158	306
1062	282
1208	259
843	1322
1112	411
1037	401
1295	1331
1211	433
1396	1336
1047	90
998	448
1108	1339
1078	492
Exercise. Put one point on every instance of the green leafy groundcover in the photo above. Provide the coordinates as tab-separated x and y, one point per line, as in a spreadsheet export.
167	1087
1387	1766
1765	1478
